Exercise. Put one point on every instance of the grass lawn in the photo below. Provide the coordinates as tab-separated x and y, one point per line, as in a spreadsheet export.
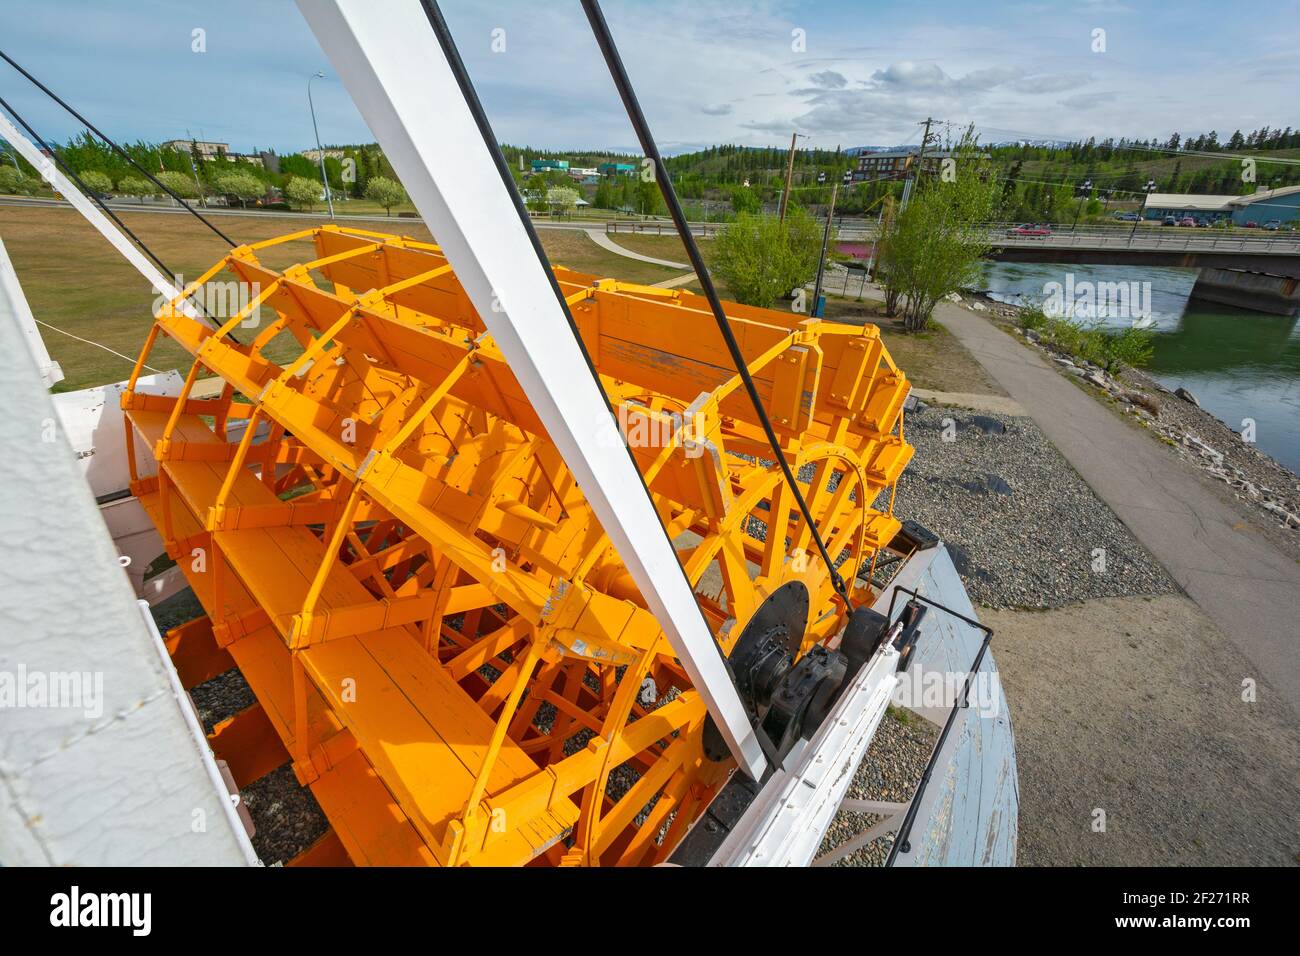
77	282
932	359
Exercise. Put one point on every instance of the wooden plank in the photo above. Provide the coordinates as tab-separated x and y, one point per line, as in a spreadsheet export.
195	654
249	745
369	823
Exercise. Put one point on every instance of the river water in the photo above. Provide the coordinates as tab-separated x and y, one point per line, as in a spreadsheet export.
1240	365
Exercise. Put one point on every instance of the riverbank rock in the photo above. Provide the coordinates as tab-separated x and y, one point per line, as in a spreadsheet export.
1186	396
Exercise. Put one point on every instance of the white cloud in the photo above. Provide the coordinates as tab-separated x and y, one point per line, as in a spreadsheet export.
829	79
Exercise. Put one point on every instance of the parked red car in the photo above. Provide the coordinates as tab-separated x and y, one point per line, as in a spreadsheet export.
1029	229
1252	224
1187	221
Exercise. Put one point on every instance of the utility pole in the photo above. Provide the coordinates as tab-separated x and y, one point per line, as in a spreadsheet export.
821	263
198	187
789	172
920	158
1084	189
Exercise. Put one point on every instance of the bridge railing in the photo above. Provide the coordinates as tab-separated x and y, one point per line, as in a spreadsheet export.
1089	235
1150	237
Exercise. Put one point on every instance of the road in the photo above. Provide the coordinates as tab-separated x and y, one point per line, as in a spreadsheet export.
217	211
1247	586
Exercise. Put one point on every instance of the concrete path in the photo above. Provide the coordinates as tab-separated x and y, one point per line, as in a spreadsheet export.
675	281
1248	587
599	238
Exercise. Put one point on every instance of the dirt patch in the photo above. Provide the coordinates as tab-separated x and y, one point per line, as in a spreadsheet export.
1134	706
932	359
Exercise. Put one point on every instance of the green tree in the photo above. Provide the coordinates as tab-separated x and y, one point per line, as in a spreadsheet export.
744	199
12	181
96	181
935	245
243	186
302	193
387	192
179	183
562	199
762	259
136	186
649	200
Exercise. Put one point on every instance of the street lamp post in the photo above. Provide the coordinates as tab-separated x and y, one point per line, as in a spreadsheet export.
320	153
1149	189
821	263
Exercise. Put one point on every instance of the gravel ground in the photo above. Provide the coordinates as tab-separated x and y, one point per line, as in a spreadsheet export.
890	770
1023	528
287	817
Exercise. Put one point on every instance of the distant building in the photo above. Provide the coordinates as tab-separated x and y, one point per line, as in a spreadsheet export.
314	154
1259	207
616	169
550	165
897	162
205	149
209	151
580	172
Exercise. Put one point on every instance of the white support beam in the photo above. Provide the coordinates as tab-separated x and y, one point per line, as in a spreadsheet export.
14	307
392	65
64	186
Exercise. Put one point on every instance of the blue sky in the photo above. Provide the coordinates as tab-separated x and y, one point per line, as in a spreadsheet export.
706	71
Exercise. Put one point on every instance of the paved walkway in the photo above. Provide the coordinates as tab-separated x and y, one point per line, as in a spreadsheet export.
1249	588
599	238
675	281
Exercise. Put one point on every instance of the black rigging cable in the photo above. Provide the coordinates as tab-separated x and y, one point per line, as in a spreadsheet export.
121	152
39	141
36	138
633	107
458	70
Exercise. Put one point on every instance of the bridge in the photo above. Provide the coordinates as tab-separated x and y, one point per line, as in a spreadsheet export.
1245	268
1250	250
1184	248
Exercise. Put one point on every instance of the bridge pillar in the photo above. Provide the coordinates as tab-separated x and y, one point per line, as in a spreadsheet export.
1256	291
